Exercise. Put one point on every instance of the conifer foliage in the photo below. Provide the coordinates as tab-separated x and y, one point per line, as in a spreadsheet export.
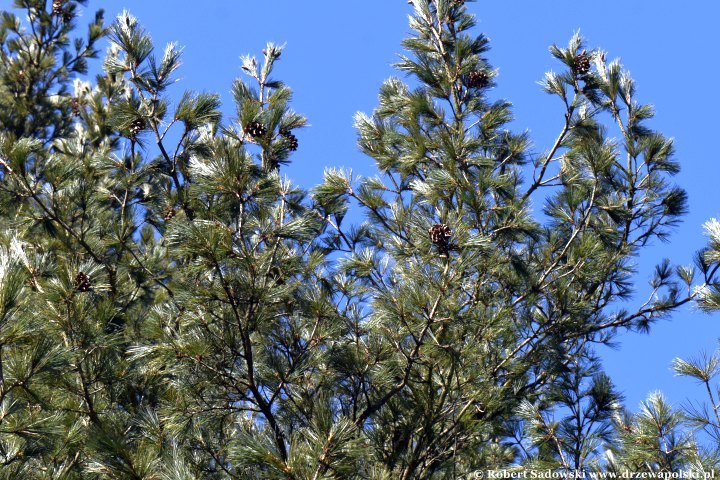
172	307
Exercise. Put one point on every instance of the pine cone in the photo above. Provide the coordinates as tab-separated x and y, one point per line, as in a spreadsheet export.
440	235
75	106
169	213
136	127
292	142
459	3
478	79
82	282
57	7
255	129
291	139
582	63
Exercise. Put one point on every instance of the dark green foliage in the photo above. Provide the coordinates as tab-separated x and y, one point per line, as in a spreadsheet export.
482	331
36	68
569	427
656	439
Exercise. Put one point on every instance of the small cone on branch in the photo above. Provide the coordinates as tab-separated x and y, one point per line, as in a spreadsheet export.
291	139
292	142
255	129
478	79
57	7
136	127
168	213
459	3
82	282
440	235
75	106
582	63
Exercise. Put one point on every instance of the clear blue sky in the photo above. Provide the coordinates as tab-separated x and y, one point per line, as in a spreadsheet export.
338	53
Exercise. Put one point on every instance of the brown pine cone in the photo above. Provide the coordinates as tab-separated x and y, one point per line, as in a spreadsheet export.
82	282
137	126
75	106
440	235
478	79
57	7
582	63
255	129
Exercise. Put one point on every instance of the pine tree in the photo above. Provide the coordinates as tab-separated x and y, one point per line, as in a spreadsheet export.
171	306
475	324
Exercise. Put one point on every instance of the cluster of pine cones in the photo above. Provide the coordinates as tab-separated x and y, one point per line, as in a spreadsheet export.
256	129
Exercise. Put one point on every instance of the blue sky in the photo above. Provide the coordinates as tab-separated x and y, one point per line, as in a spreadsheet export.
338	53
